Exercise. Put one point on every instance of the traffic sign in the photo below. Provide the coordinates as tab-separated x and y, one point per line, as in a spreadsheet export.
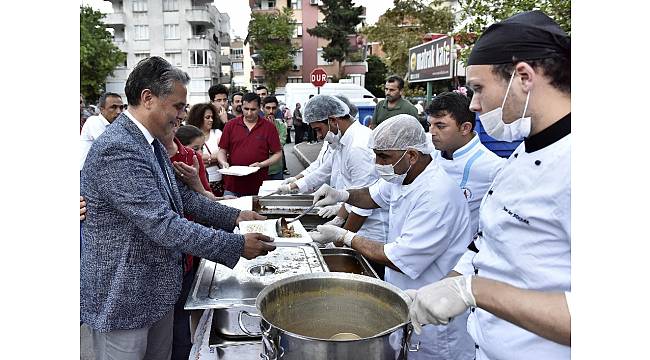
318	77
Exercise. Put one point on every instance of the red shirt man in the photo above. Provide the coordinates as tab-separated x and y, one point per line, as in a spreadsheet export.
248	140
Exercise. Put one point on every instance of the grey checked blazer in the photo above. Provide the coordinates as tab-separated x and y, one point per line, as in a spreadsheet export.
131	267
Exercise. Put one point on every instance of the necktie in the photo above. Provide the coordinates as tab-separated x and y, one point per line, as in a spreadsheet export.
157	150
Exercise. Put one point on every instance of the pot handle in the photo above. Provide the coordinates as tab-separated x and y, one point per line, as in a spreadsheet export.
409	334
241	323
269	347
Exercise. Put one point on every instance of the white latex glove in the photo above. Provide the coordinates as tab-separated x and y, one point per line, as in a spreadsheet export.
329	211
327	195
337	221
289	180
439	302
286	189
329	233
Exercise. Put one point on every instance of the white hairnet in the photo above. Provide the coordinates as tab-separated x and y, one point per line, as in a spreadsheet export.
354	110
321	107
401	132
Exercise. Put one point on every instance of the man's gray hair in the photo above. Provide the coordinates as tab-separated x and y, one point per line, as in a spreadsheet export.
156	74
102	98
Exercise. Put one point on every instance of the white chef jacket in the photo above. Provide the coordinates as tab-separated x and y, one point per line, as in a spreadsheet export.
525	221
353	166
474	167
93	127
429	230
319	172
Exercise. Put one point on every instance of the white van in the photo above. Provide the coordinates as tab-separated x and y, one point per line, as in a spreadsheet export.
301	92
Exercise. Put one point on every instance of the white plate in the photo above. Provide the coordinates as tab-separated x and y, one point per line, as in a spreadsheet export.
239	170
269	186
267	227
242	203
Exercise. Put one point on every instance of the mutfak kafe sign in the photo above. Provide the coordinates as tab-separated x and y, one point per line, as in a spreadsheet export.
432	60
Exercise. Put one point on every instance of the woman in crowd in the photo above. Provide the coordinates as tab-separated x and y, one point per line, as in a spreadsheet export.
203	116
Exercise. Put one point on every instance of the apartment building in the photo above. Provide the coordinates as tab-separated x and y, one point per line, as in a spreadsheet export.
188	33
309	56
242	64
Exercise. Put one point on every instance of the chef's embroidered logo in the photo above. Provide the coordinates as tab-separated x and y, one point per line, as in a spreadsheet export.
514	215
467	193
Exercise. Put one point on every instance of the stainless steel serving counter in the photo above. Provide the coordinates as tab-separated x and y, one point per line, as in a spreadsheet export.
223	292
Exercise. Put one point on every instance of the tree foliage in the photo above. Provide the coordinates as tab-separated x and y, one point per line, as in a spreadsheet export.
404	26
341	18
376	75
270	34
98	55
476	15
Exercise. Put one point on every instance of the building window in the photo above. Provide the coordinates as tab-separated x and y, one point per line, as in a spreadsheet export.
170	5
297	31
171	31
199	57
322	61
294	80
174	58
139	5
199	31
237	53
141	32
296	4
297	59
237	67
140	56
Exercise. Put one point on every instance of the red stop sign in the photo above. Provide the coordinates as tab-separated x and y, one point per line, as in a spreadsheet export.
318	77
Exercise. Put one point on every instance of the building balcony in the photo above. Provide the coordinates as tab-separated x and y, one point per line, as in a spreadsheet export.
201	43
224	59
350	68
224	79
114	20
200	16
269	11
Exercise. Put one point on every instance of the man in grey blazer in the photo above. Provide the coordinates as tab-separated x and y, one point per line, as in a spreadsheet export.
135	231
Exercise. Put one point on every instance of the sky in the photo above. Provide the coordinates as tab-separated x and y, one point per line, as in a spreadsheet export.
239	11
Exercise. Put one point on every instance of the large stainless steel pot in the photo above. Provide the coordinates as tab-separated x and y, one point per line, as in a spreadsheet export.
304	316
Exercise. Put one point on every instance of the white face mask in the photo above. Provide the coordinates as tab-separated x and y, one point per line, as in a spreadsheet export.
494	126
387	172
331	138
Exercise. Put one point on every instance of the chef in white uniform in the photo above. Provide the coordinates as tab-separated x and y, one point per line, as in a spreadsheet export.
522	272
429	227
352	162
460	152
321	170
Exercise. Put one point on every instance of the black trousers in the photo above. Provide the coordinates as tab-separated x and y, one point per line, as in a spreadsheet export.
182	341
300	133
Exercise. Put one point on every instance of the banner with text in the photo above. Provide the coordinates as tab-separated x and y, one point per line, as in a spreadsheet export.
431	61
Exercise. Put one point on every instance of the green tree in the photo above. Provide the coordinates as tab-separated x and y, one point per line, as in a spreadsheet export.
271	35
98	55
341	18
376	75
479	14
404	26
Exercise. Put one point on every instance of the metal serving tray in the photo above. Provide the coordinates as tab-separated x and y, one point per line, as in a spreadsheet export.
216	286
347	260
289	206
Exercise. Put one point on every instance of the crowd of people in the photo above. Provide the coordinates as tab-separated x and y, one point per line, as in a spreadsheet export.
481	244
